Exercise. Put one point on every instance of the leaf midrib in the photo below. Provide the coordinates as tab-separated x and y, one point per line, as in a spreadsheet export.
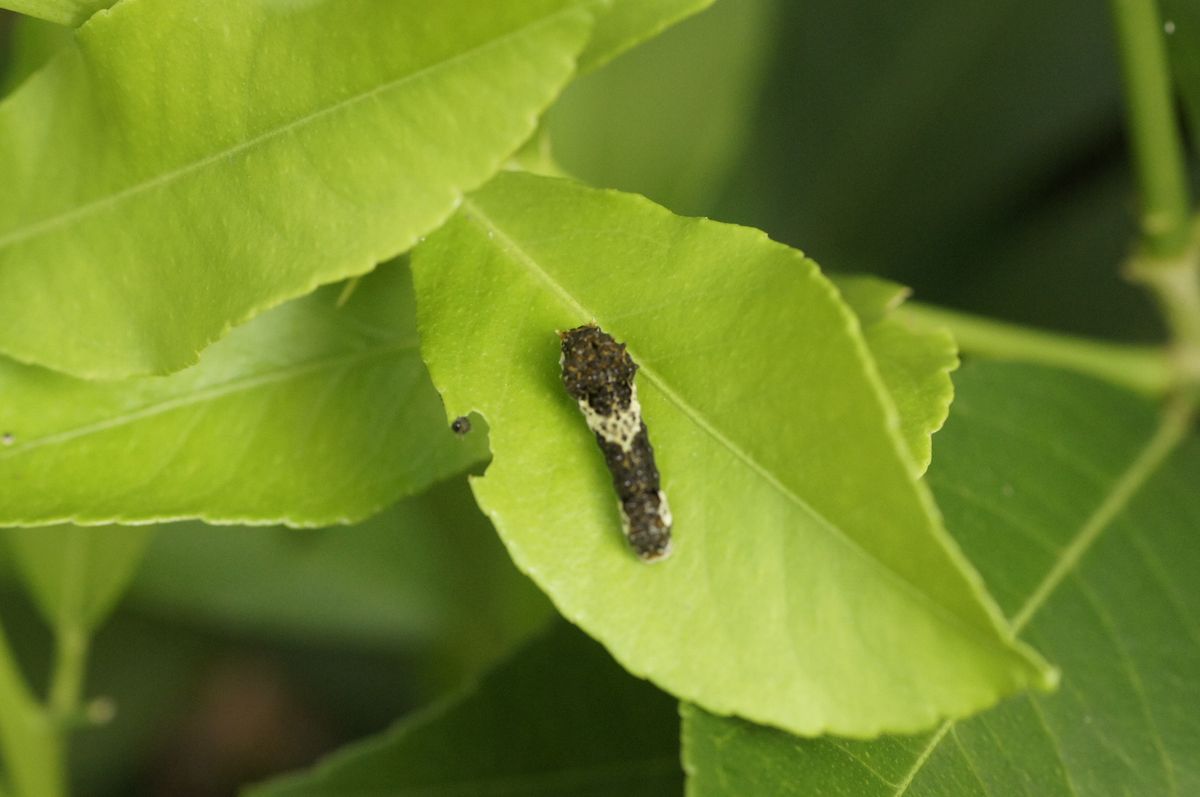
970	630
240	384
38	228
1173	426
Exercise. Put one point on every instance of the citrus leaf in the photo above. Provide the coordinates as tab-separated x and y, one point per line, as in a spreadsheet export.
805	547
311	415
180	166
914	360
628	22
75	574
1061	489
558	718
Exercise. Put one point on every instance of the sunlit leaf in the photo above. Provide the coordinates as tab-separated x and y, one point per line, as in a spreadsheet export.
312	414
812	586
914	361
182	166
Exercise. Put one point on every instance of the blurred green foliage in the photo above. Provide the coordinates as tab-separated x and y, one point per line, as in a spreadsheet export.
974	151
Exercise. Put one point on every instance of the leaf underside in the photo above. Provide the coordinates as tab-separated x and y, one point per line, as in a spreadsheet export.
312	414
1047	479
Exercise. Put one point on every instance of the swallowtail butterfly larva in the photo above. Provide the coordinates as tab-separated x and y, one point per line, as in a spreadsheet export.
598	373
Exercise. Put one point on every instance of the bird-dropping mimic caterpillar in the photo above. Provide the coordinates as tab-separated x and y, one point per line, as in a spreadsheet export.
598	373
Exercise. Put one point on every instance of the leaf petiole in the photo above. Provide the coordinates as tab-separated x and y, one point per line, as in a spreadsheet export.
1147	369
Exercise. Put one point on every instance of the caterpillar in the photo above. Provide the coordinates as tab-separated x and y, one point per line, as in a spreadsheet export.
598	373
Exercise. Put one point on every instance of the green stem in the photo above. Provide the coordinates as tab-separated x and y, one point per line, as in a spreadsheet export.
1168	263
1147	369
1158	150
30	740
70	665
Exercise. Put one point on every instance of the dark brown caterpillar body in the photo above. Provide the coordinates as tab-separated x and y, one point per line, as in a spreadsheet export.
598	373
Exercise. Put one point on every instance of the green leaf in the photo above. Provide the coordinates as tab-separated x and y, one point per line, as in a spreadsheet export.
427	571
628	22
30	44
914	360
181	167
558	718
804	545
60	12
1182	29
311	415
1061	489
75	574
654	123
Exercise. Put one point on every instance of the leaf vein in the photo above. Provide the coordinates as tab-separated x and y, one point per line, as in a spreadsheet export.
1135	680
26	232
213	392
1171	430
499	237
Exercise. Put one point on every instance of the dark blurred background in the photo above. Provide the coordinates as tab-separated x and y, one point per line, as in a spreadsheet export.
972	150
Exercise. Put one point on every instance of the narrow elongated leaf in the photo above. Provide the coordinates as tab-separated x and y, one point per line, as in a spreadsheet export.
805	547
311	415
559	718
914	361
75	574
1061	489
182	166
